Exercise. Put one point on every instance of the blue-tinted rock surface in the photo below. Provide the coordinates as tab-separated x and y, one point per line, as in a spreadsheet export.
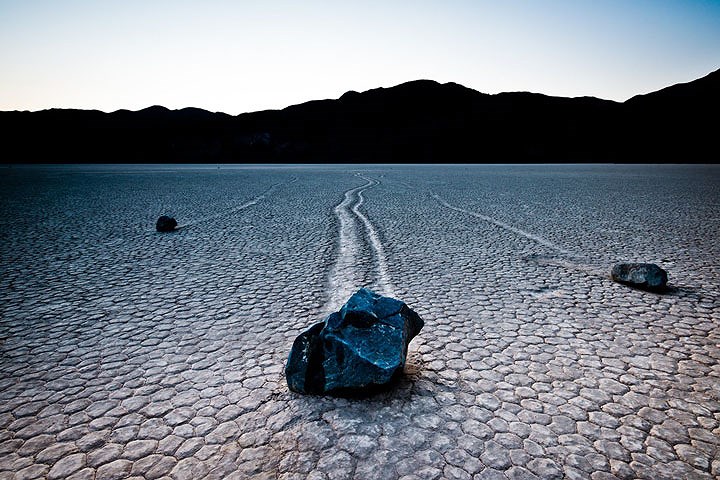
646	276
165	224
362	346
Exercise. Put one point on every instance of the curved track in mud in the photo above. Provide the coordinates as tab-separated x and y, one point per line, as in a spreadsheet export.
355	230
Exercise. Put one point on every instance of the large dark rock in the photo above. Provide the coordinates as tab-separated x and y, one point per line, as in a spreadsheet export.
646	276
362	346
165	224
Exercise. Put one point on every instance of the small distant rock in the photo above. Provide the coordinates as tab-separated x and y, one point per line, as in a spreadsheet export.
362	346
165	224
646	276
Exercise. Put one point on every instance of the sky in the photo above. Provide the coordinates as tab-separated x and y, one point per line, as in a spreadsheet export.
239	56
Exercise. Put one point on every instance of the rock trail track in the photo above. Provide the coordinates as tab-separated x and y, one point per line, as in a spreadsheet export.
345	276
233	210
503	225
559	255
129	355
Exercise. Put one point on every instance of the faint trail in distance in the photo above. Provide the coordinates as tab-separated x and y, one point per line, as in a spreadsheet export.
246	204
503	225
567	259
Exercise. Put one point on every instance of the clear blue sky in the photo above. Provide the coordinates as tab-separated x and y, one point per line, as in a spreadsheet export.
237	56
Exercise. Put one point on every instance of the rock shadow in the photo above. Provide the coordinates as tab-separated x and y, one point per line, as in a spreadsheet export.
404	386
694	293
668	289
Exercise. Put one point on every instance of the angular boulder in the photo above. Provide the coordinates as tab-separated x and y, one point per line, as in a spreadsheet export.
165	224
646	276
352	351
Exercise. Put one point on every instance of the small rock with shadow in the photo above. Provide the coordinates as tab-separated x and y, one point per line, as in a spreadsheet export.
645	276
165	224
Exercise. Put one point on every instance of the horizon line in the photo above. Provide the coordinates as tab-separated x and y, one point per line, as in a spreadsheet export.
355	91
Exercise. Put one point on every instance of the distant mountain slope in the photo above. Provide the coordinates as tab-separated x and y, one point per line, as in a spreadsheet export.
677	123
418	121
690	94
427	121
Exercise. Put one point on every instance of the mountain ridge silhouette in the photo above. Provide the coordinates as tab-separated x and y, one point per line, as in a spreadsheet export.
416	121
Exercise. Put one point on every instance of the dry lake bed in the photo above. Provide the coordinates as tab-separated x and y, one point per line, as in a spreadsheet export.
127	353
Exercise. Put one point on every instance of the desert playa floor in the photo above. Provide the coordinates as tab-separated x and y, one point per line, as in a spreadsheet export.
129	353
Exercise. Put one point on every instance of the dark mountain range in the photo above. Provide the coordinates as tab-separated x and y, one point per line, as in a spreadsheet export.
419	121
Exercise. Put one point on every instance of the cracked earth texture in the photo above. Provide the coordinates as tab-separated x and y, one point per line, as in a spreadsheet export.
126	353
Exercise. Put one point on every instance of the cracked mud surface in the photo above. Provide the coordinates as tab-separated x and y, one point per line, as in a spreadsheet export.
128	353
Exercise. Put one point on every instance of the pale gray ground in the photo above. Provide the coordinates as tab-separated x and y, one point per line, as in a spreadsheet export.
125	352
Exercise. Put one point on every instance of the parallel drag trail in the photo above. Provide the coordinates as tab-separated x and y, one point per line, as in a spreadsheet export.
384	286
344	277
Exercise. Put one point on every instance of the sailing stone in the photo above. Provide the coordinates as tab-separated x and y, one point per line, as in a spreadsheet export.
352	351
165	224
646	276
